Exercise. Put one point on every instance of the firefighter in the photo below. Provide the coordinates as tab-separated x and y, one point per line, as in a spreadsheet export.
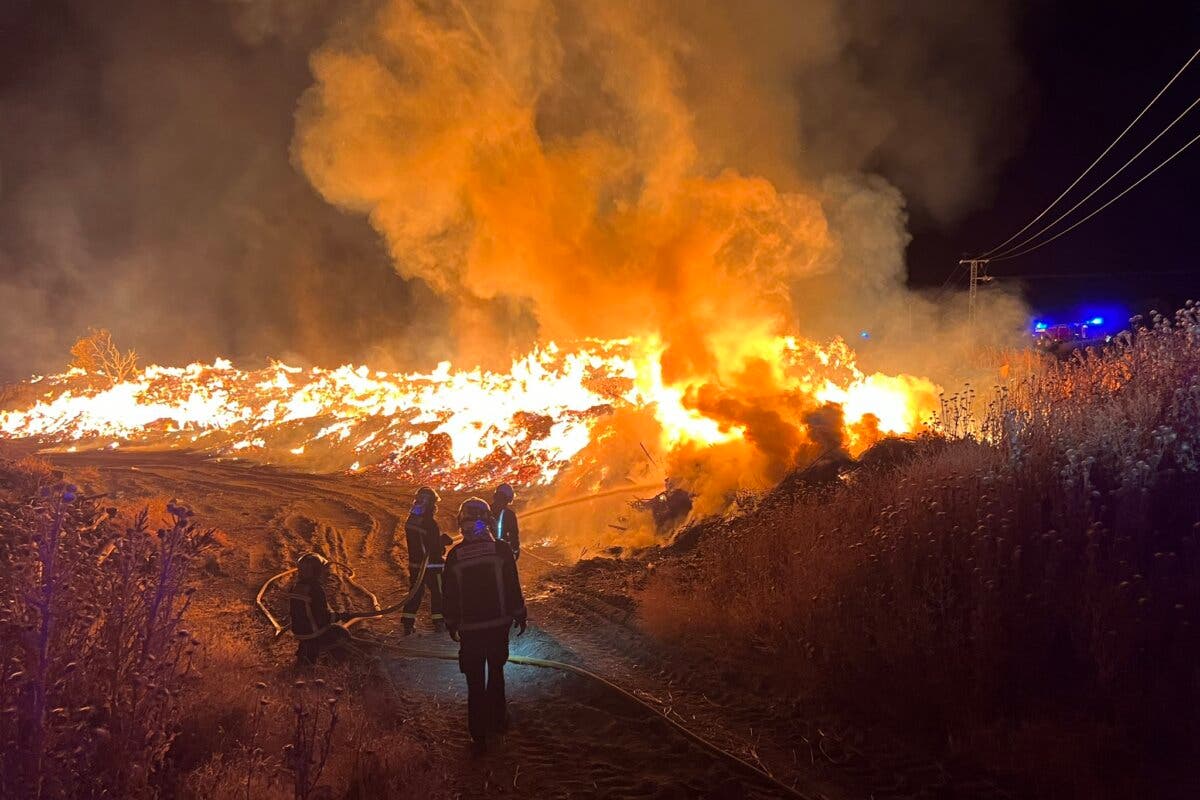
504	519
425	540
313	623
483	599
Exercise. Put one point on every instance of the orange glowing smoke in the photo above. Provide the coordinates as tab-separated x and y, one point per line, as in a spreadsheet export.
460	427
544	168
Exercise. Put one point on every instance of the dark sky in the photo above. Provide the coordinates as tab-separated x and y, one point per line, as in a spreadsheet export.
146	186
1092	66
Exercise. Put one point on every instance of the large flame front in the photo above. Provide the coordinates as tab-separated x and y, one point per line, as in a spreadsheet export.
460	427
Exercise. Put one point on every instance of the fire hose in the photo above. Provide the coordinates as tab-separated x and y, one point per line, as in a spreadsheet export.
545	663
562	666
583	498
350	619
347	619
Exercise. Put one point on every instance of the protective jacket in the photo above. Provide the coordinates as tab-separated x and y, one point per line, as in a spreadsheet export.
506	529
309	609
482	590
425	538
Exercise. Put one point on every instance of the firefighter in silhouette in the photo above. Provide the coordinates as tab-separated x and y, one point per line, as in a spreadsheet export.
483	600
504	519
669	507
312	621
425	541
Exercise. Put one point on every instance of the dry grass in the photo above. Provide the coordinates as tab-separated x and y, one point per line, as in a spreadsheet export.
1042	574
105	692
93	651
253	730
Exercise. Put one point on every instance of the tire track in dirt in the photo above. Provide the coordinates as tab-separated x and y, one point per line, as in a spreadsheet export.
571	738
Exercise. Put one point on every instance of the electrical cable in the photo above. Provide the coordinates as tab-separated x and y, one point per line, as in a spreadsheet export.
941	292
1092	193
1074	275
1127	189
1075	182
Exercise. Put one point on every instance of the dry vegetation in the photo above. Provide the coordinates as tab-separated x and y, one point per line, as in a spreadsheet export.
1029	593
329	734
113	685
93	653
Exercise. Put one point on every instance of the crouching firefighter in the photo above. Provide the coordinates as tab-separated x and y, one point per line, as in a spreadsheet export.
426	555
312	621
483	599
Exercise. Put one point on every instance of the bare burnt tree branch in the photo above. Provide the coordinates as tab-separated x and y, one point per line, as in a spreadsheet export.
97	353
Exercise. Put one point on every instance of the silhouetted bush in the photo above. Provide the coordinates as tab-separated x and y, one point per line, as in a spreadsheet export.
93	648
1043	565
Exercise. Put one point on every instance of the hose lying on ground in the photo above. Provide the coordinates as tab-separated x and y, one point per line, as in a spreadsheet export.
350	618
353	617
409	652
733	758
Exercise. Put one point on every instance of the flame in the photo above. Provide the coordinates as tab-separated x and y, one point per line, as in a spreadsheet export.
461	427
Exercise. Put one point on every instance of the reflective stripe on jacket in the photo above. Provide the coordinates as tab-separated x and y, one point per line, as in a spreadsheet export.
424	537
507	529
482	589
309	610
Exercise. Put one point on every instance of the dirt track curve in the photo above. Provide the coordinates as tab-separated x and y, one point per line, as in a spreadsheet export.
571	736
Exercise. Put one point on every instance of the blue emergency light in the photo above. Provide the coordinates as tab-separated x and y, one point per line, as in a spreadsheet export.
1097	321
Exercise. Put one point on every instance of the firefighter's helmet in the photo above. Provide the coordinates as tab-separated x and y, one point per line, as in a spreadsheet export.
473	516
505	492
425	500
312	566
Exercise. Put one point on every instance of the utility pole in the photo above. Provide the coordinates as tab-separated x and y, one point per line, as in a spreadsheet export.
978	275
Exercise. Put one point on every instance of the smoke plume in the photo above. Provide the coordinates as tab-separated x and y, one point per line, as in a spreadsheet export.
702	173
145	187
247	178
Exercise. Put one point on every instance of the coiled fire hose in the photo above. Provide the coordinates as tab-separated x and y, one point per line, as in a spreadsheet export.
347	619
545	663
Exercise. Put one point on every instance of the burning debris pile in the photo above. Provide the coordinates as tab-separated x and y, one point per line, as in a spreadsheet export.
651	183
455	427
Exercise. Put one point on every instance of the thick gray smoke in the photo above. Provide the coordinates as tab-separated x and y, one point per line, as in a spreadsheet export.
145	182
145	186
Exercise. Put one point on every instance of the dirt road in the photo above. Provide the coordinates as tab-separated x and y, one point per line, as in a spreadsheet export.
571	736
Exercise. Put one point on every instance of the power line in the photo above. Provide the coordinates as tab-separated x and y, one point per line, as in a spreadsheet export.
1092	193
1071	275
1127	189
1074	183
937	298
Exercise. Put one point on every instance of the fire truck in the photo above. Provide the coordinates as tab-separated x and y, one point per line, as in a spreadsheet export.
1064	337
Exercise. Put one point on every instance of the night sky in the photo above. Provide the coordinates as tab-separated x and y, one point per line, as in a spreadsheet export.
1092	67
